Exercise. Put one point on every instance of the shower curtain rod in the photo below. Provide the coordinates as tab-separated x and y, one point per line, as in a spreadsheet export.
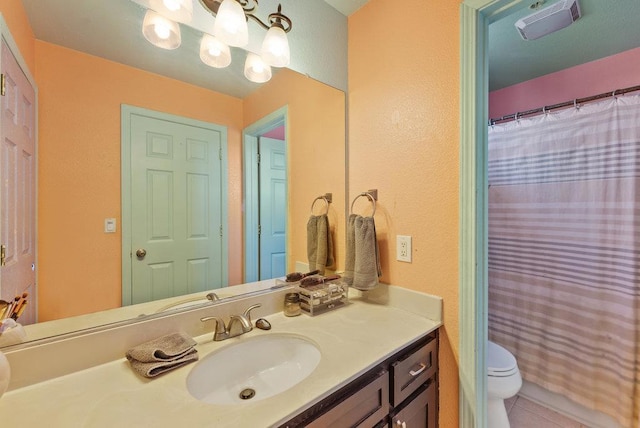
575	103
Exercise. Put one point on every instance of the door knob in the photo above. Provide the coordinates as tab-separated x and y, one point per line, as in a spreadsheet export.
141	252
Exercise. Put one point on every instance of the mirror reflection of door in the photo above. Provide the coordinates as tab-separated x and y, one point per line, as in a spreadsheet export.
273	207
17	199
265	197
176	212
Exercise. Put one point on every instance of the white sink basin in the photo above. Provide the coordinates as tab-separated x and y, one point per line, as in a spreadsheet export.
255	368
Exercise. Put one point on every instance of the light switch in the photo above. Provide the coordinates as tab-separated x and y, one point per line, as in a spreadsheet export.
109	225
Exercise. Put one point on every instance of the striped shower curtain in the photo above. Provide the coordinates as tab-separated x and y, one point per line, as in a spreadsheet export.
564	251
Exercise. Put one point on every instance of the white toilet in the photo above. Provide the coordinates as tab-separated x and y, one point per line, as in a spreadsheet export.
504	381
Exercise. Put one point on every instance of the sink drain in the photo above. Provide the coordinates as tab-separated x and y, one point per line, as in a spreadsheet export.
247	393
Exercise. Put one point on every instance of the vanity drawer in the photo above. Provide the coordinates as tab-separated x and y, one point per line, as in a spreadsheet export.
420	411
413	370
364	408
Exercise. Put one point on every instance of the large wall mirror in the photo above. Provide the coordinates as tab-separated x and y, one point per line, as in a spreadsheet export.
83	82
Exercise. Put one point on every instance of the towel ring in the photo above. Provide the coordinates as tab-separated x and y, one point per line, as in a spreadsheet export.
326	201
370	197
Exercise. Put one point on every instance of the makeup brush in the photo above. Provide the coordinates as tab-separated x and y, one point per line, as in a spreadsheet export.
12	306
18	303
17	314
297	276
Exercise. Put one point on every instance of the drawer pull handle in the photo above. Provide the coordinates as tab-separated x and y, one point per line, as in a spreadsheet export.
415	373
401	424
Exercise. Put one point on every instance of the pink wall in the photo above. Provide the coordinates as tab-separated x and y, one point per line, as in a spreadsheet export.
613	72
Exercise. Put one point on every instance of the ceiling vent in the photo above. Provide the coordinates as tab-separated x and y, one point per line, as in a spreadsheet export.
551	18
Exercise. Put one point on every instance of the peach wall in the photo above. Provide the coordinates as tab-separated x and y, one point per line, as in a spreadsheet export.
592	78
316	151
18	23
404	140
79	171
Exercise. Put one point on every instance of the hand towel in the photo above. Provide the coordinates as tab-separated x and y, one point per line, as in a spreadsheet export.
319	243
163	349
363	258
156	368
350	249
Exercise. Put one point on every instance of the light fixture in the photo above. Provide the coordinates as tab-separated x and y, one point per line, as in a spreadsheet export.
176	10
214	53
160	31
275	47
255	69
229	29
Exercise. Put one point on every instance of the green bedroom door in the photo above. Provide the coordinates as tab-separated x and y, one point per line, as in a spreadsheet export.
176	208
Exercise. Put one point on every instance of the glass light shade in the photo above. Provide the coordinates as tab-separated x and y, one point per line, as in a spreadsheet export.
230	25
275	48
214	53
255	69
161	31
176	10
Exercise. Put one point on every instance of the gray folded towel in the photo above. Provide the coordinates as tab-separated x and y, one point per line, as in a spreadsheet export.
156	368
165	348
350	249
160	355
362	265
319	244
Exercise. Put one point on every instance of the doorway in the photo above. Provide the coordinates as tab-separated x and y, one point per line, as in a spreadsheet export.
174	205
476	15
265	197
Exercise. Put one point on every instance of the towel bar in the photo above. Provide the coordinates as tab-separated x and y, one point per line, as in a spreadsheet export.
372	195
327	200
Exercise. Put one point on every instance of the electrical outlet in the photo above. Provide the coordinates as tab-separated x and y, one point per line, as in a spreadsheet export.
403	248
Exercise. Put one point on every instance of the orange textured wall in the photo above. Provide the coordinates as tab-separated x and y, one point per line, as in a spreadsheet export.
403	140
16	18
316	152
79	171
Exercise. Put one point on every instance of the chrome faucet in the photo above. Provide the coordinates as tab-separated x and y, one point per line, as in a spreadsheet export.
238	324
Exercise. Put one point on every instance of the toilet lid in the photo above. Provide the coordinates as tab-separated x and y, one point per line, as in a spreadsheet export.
499	360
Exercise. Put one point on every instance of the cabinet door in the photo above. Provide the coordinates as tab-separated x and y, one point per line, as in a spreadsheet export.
364	408
420	412
413	370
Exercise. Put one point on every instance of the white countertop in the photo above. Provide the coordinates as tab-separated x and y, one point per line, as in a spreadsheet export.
351	339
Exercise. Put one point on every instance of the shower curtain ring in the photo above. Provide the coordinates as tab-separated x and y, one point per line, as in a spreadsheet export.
613	94
575	104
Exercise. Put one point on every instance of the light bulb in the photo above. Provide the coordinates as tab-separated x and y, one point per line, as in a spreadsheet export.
213	52
176	10
172	5
255	69
230	25
275	47
161	31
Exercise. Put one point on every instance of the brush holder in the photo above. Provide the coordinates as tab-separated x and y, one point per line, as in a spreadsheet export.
11	333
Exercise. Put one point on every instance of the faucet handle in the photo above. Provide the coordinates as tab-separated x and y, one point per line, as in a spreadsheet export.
221	332
247	311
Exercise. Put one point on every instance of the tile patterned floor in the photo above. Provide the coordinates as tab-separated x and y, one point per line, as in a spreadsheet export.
524	413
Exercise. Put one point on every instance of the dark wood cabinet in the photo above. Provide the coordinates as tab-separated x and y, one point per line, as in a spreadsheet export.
401	392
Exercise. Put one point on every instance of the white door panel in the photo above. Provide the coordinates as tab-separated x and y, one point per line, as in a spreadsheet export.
17	199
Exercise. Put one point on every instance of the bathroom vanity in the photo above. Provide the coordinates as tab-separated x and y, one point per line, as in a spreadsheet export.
378	367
